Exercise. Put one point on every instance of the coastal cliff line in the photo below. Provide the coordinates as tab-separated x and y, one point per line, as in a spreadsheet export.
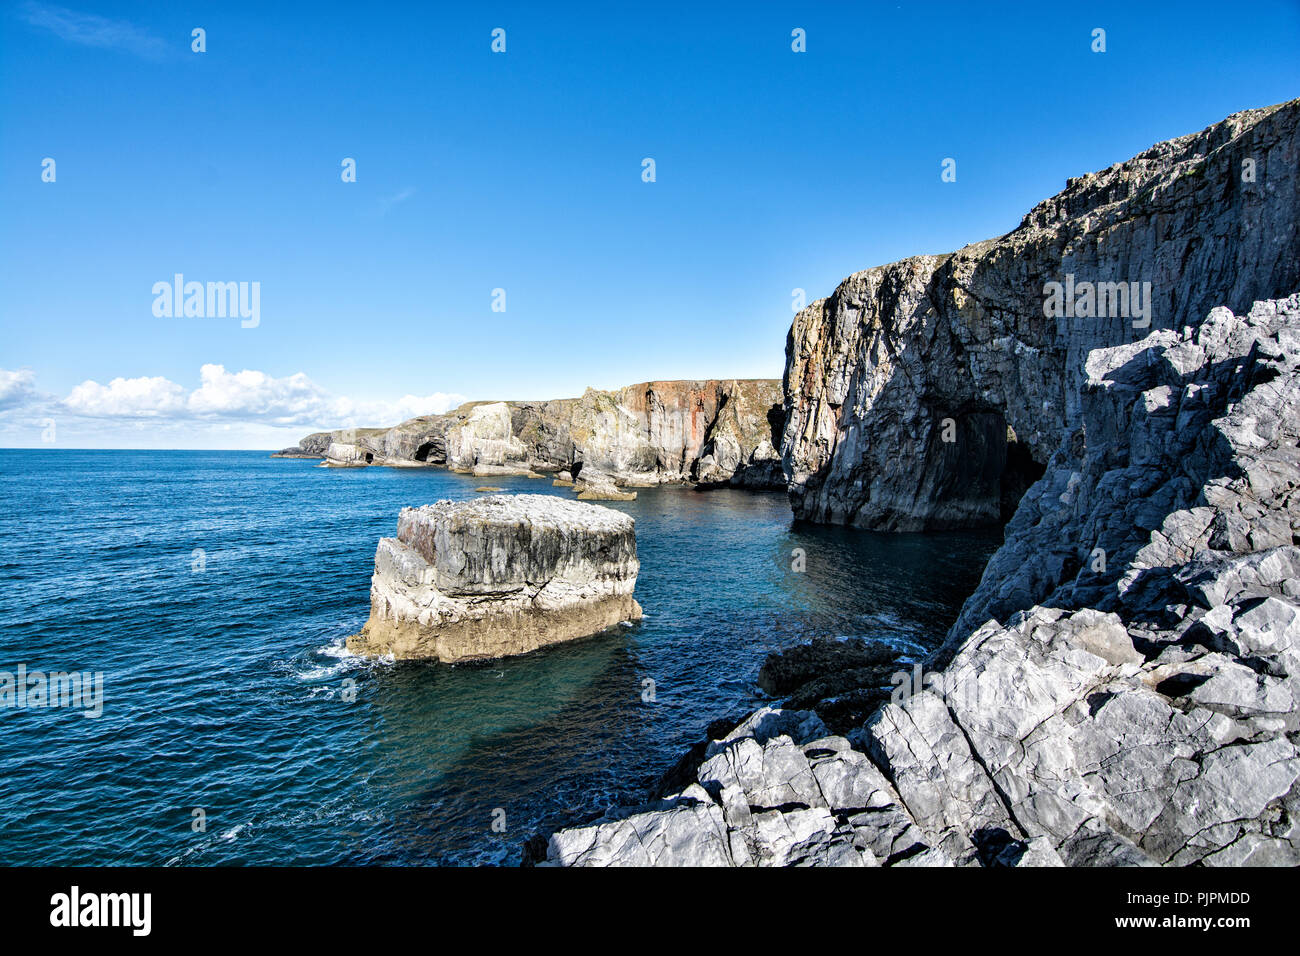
1122	687
710	432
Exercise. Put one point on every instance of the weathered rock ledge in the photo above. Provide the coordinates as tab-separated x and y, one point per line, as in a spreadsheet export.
1120	690
498	576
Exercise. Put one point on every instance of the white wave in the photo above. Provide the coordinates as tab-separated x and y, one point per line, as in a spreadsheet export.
330	661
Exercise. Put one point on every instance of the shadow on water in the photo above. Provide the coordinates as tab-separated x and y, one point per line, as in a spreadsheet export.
557	722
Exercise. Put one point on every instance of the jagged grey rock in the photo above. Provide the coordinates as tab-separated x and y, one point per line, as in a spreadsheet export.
1120	689
775	791
1135	711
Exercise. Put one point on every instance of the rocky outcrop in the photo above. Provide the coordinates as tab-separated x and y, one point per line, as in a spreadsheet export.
595	486
342	446
710	433
778	790
311	446
843	679
1120	690
497	576
348	455
928	393
484	443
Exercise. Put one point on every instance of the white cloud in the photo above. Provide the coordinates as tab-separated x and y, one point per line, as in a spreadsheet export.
154	397
17	387
253	395
88	29
297	400
248	399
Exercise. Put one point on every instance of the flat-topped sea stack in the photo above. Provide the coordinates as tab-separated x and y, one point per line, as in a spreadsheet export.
498	576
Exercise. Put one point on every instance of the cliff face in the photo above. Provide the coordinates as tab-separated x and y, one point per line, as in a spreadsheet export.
1139	707
709	432
928	393
1123	684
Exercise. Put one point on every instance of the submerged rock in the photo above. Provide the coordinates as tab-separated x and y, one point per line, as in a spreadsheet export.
497	576
844	680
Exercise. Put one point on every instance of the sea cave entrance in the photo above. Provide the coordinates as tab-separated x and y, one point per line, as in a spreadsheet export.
976	471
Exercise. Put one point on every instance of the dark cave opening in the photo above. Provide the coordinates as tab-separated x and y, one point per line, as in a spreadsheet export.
1018	473
976	470
776	423
422	453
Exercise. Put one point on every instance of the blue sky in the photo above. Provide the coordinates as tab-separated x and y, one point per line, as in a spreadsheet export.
522	171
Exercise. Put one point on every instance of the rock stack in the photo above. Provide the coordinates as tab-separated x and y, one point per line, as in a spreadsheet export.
498	576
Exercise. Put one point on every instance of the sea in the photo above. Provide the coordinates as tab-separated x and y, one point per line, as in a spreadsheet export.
208	596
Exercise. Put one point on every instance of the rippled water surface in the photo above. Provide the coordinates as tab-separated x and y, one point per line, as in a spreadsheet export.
226	683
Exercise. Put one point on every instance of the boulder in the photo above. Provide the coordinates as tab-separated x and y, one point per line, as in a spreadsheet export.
594	486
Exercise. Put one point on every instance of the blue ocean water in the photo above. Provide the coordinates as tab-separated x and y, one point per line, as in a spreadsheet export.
226	685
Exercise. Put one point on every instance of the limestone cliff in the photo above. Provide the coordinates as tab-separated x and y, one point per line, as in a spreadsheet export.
708	432
928	393
1122	687
658	432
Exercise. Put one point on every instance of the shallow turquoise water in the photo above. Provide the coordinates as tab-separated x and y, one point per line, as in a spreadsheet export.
225	687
